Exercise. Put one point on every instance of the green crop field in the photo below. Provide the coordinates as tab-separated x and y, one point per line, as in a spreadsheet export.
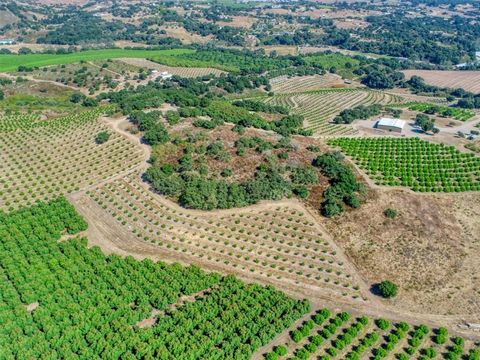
442	110
334	336
59	299
11	62
414	163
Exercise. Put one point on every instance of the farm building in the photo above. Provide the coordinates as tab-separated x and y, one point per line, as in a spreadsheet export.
165	75
394	125
7	41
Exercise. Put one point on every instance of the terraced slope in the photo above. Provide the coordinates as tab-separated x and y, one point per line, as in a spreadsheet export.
320	107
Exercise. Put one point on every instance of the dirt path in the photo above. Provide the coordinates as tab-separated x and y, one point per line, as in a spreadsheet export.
35	80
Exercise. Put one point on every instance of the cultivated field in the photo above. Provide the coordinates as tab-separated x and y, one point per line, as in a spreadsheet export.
279	243
285	84
180	71
324	334
11	62
468	80
43	159
60	297
414	163
320	107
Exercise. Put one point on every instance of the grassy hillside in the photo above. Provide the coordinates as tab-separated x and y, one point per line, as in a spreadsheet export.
11	62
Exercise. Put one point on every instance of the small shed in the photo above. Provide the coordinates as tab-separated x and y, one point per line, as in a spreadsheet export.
394	125
7	41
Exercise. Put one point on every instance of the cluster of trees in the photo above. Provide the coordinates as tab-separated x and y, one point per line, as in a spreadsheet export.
387	289
154	132
80	27
343	187
222	111
100	299
228	34
102	137
197	192
426	123
361	112
79	98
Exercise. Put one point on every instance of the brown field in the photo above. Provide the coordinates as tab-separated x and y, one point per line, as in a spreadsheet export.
239	21
6	18
430	249
280	49
468	80
184	36
350	24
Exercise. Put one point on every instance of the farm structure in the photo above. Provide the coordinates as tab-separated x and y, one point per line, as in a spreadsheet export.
7	41
393	125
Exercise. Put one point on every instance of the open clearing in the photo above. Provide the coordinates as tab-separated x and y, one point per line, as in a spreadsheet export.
468	80
430	249
11	62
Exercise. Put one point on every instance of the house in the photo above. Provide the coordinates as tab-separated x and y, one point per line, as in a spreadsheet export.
394	125
7	41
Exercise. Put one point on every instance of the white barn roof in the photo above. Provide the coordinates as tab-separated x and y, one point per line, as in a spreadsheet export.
396	123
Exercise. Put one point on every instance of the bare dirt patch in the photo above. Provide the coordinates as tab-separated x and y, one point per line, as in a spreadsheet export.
431	249
239	21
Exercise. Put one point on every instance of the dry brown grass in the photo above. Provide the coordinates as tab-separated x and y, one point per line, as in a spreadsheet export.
239	21
184	36
468	80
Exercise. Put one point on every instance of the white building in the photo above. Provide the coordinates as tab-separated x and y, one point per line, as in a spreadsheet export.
394	125
7	41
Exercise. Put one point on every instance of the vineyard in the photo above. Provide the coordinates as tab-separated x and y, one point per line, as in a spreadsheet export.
320	107
287	85
325	335
187	72
414	163
278	244
59	299
442	110
42	159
